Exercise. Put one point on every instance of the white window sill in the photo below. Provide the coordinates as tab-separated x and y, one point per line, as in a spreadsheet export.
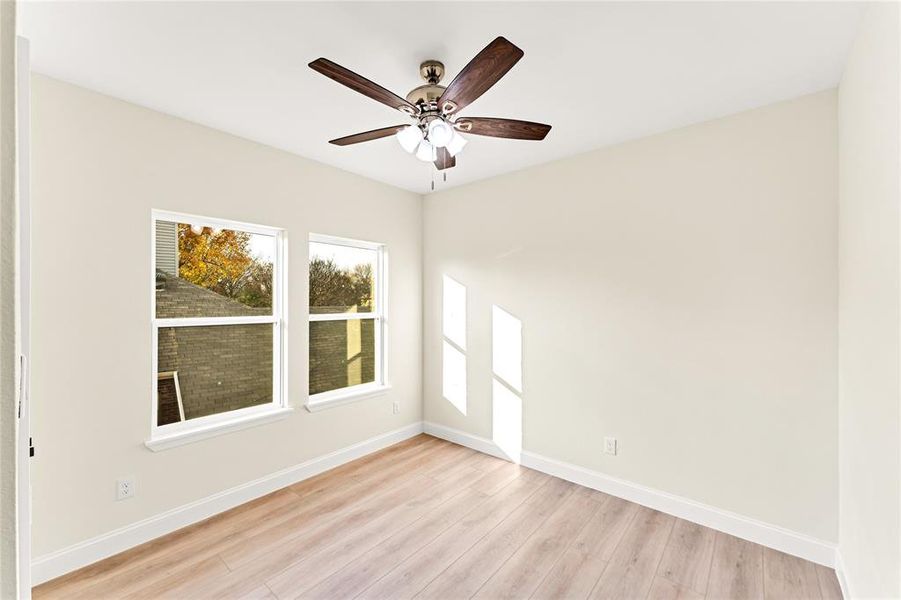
172	440
325	400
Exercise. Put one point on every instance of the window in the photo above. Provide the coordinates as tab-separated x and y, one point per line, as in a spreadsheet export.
347	308
217	320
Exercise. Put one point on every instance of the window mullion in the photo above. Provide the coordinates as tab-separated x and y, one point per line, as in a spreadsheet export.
207	321
347	316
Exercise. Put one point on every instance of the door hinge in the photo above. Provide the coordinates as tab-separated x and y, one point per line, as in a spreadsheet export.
30	448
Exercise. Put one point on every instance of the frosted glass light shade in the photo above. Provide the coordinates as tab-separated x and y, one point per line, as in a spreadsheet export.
440	133
426	152
456	144
409	137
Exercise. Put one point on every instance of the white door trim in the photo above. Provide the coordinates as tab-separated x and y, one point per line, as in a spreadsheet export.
23	310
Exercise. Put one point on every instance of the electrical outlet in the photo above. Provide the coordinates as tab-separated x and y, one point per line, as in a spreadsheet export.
610	445
395	408
125	488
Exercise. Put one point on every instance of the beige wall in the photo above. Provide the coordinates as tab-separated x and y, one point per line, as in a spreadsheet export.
679	293
99	166
8	539
869	301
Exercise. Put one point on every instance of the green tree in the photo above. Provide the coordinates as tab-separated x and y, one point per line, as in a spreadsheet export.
337	289
221	261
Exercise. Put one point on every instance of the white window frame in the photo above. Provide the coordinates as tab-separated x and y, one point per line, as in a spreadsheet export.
183	432
380	385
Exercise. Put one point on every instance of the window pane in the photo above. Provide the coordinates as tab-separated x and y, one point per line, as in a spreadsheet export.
342	354
204	272
342	279
219	368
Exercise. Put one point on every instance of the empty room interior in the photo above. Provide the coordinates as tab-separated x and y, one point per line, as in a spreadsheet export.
448	300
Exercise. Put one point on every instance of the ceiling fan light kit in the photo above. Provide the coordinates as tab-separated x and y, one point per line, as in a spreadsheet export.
426	152
440	133
434	137
455	146
409	138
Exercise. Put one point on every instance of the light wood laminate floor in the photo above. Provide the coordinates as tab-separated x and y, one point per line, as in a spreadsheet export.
429	519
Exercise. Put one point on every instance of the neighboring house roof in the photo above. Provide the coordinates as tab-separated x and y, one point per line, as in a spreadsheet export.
176	297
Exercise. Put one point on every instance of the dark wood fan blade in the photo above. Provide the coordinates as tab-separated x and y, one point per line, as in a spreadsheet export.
481	73
366	136
361	84
503	128
445	160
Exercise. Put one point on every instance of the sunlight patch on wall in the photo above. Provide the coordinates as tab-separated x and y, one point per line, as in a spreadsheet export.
506	420
454	380
453	315
506	347
454	312
506	364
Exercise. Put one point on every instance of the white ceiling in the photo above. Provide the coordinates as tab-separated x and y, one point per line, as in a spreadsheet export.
600	73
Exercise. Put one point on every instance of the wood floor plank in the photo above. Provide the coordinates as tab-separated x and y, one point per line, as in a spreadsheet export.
665	589
486	462
829	587
737	569
432	518
580	567
497	477
631	569
786	577
275	555
281	549
174	586
340	502
521	574
170	554
450	458
689	552
466	575
259	593
358	470
365	570
415	572
304	574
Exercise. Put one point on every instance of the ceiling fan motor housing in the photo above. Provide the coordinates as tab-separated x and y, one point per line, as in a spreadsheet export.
426	96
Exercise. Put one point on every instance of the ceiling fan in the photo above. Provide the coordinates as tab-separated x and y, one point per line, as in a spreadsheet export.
435	137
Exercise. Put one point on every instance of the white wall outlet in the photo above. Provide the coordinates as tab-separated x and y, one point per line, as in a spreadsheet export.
125	488
610	445
395	407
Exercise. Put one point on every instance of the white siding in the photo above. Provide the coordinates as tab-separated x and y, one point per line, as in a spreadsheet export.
167	247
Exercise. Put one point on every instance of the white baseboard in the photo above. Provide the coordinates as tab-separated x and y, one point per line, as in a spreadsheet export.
842	575
765	534
49	566
483	445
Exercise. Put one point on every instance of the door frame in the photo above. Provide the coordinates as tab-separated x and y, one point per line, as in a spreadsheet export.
23	312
